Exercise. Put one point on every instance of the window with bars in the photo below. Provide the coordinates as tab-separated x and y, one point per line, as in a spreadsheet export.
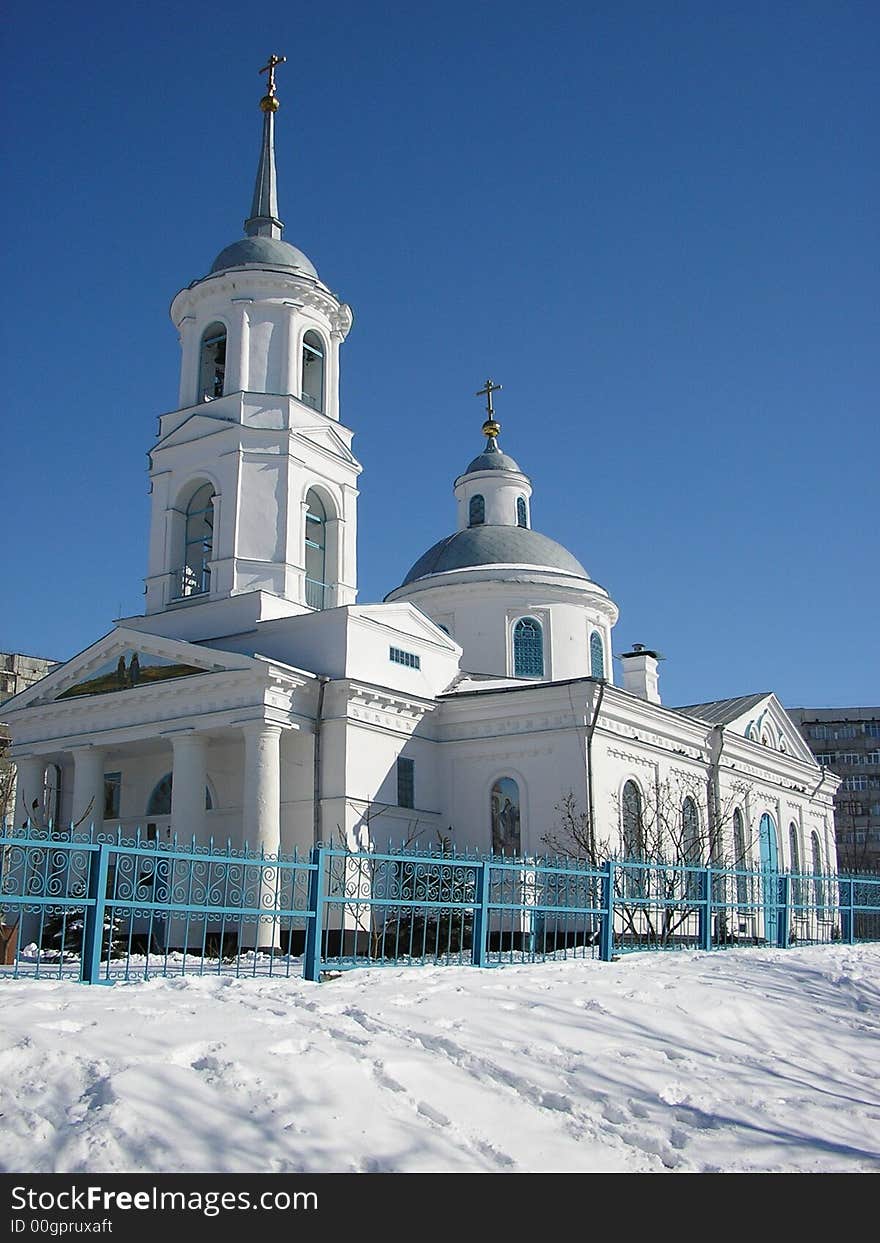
400	657
406	782
597	655
528	648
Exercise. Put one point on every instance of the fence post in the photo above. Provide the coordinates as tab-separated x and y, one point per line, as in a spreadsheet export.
705	929
606	935
847	915
481	915
314	927
93	916
783	918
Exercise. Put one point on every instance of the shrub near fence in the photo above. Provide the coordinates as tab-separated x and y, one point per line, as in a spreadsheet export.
100	908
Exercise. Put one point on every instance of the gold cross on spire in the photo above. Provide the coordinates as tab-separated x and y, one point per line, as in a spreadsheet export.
269	103
491	427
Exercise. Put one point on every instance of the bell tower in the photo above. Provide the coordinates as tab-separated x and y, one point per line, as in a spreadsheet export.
253	482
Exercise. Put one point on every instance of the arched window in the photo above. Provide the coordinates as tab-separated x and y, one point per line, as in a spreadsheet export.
633	832
317	591
795	865
313	370
476	511
690	845
740	861
198	543
597	655
506	835
528	649
818	878
212	363
522	518
159	802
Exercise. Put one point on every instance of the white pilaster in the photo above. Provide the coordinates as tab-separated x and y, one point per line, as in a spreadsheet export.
87	808
188	785
262	807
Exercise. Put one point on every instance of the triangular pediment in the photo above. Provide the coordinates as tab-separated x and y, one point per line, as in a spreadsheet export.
405	619
195	427
760	719
125	660
324	437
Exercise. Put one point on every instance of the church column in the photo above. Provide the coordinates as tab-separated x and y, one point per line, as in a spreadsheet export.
289	361
239	362
187	395
188	785
336	339
87	808
29	786
262	808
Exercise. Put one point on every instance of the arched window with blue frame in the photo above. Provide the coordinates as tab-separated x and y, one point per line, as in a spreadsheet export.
740	859
312	392
528	649
476	511
633	835
597	655
317	591
198	543
818	878
795	864
522	517
690	846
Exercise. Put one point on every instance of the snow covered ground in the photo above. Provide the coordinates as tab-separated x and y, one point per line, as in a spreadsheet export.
744	1060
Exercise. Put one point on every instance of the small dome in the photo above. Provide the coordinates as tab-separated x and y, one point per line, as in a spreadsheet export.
495	545
492	459
266	252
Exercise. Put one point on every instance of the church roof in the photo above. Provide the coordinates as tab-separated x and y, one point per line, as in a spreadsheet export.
492	459
494	545
264	252
723	711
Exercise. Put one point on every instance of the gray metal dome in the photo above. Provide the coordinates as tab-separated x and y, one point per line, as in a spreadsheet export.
492	459
269	252
494	545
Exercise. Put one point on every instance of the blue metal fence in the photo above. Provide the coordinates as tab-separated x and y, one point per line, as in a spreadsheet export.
99	908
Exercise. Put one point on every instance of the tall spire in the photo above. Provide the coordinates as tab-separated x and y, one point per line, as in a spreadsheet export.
263	220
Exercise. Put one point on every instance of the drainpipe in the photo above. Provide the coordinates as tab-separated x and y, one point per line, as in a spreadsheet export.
715	793
319	716
591	729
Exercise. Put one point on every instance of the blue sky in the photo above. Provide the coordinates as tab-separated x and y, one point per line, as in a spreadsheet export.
656	225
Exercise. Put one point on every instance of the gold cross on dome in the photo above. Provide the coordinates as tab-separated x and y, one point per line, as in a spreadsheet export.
270	69
487	391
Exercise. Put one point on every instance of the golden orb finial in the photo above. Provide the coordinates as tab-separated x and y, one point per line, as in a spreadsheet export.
269	103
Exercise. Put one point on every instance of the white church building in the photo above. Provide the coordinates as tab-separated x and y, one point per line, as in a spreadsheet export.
257	701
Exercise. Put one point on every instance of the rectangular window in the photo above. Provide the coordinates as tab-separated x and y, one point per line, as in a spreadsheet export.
849	757
826	757
819	731
845	731
854	783
112	791
406	782
872	729
400	657
871	757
